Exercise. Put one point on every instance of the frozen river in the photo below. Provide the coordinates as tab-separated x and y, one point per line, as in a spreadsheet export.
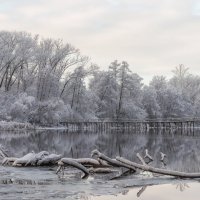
182	149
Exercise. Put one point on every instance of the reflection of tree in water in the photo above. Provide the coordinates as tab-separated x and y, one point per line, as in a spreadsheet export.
82	196
181	186
139	193
182	151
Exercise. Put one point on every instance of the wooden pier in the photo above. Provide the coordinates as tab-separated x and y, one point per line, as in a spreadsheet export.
103	125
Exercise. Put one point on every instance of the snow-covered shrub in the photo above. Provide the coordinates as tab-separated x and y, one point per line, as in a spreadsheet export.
6	101
51	112
10	126
132	111
22	107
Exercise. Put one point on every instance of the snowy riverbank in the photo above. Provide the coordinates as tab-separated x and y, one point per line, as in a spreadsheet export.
11	126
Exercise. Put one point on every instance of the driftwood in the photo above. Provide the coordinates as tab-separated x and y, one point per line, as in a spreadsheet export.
70	162
90	162
123	174
87	161
141	159
3	153
147	155
102	170
163	156
51	159
110	161
158	170
8	160
37	157
103	164
141	191
23	160
32	159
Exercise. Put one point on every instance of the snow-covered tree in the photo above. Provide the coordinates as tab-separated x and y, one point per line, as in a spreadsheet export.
150	102
104	88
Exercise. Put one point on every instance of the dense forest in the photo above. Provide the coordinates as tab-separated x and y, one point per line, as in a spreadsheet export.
45	81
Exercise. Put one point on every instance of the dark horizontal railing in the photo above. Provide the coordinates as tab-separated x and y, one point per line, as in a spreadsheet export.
164	120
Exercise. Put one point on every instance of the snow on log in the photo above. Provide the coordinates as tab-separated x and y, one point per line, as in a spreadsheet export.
163	157
148	158
141	159
102	170
158	170
71	162
112	162
123	174
23	160
88	162
8	160
3	153
51	159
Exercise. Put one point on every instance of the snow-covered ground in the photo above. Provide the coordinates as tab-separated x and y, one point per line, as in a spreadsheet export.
11	126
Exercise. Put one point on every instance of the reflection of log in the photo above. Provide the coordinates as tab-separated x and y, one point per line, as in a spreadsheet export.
110	161
123	174
147	155
102	170
3	153
163	156
141	191
159	171
141	159
70	162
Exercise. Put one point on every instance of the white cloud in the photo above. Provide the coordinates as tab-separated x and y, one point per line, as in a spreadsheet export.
153	36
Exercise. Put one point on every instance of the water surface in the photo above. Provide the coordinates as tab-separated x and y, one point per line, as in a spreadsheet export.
182	149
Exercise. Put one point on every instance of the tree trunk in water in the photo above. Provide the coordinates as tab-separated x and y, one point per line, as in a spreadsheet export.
158	170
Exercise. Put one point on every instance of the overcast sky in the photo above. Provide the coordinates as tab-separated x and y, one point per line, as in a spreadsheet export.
153	36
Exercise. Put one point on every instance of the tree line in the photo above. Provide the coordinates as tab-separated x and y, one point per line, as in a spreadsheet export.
45	81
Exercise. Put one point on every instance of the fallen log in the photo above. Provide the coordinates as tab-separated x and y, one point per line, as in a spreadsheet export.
90	162
158	170
30	159
113	162
163	156
123	174
104	164
71	162
34	159
141	159
23	160
51	159
102	170
147	157
3	153
8	160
